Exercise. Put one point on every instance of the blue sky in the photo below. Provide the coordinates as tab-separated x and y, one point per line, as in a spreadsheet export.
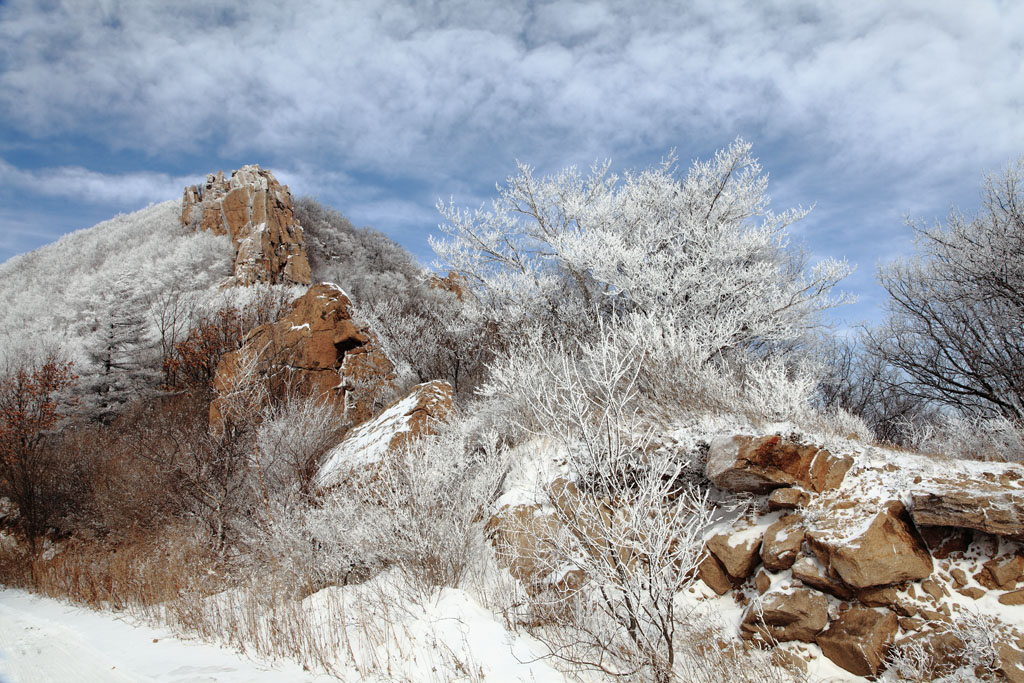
870	111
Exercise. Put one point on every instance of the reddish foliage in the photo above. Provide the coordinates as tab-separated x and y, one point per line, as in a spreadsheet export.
194	361
31	399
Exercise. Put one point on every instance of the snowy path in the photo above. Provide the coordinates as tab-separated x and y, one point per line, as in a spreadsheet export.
46	641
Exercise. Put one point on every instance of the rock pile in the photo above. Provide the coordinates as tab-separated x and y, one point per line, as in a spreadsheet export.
853	570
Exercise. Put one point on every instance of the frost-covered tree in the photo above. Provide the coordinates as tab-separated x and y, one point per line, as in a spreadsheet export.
118	369
703	248
366	263
955	329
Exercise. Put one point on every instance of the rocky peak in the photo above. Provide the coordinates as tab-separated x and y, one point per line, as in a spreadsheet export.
256	212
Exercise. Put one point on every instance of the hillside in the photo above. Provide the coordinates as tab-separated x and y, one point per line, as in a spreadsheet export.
614	442
50	298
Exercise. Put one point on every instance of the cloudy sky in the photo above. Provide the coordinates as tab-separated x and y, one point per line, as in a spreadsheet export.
870	111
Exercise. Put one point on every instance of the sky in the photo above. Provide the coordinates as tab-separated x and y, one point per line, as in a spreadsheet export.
870	112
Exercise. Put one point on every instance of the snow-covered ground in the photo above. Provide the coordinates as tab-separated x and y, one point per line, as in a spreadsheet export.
447	637
47	641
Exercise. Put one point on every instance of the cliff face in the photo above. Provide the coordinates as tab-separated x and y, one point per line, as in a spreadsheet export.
256	211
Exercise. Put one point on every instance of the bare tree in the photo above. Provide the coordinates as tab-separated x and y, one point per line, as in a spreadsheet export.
955	329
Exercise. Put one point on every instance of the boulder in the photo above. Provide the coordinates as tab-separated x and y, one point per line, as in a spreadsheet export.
859	640
1011	663
256	212
1006	572
318	349
738	552
1012	598
782	542
520	534
711	572
787	498
759	464
976	504
416	415
877	551
781	616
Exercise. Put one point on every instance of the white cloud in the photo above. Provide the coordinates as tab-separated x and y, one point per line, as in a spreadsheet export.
381	85
83	185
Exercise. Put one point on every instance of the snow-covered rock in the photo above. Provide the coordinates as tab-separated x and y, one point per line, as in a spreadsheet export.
760	464
415	415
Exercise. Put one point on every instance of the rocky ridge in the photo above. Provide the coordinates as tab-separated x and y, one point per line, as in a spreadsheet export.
843	556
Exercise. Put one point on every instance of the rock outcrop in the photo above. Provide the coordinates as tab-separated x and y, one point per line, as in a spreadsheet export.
416	415
759	464
984	506
317	348
256	212
778	617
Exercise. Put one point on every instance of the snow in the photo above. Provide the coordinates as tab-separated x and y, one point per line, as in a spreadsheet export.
390	631
46	641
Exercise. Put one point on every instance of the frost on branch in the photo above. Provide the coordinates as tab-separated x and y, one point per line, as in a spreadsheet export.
566	249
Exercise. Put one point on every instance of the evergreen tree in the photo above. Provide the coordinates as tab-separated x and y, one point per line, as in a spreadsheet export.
117	370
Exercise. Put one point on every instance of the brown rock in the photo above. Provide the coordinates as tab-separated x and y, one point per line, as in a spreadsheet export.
781	544
1012	598
972	592
972	504
887	550
910	623
797	614
520	536
788	498
760	464
883	596
859	640
932	588
809	571
711	572
984	577
1006	572
762	582
454	283
256	211
738	552
959	576
416	415
316	349
1011	663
